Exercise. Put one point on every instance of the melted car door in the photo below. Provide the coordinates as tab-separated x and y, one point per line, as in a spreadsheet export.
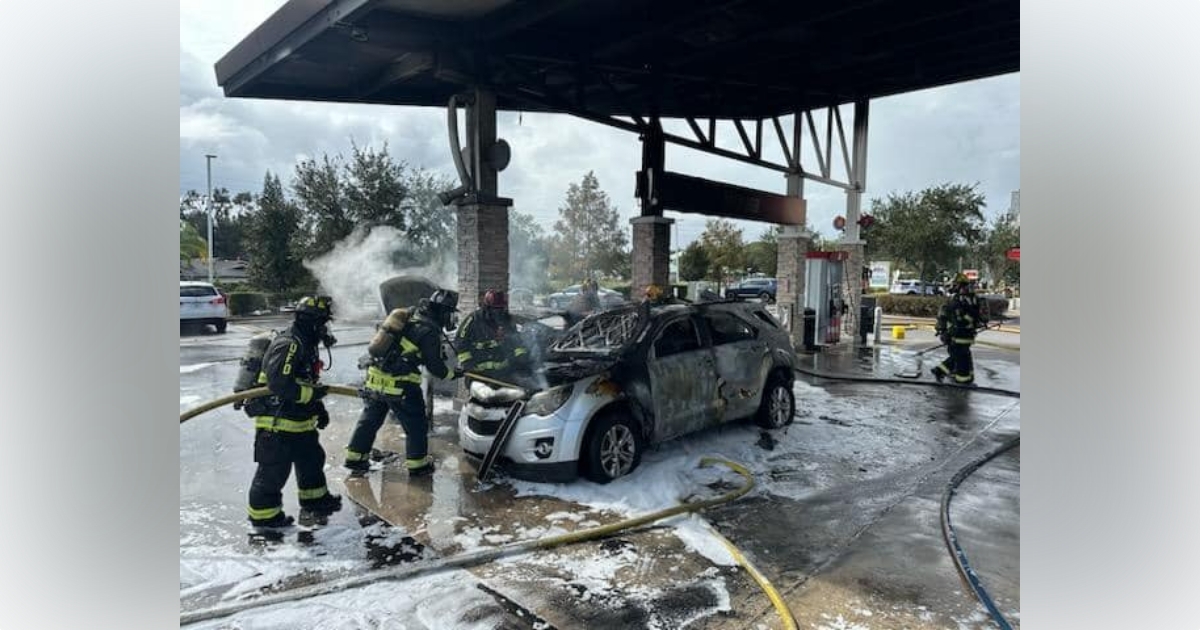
742	362
682	380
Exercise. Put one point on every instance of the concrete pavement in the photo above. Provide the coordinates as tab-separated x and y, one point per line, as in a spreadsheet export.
844	519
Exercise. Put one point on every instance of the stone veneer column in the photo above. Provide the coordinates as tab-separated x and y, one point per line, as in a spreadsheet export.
852	284
651	254
791	270
482	252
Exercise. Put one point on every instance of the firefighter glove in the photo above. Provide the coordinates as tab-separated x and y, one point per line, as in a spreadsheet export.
319	391
329	340
322	418
458	372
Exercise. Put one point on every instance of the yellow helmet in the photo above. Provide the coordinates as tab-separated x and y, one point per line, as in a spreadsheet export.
653	292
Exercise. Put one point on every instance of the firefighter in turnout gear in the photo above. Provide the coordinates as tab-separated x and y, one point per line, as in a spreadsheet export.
287	421
488	341
957	322
406	340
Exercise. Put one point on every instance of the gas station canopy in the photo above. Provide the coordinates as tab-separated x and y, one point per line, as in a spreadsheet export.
629	58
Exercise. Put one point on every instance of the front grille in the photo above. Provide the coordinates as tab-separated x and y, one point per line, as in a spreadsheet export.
483	427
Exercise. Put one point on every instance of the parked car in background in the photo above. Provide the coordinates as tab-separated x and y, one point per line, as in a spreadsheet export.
764	289
915	287
624	379
201	303
563	299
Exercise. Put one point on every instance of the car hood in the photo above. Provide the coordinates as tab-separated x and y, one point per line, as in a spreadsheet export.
561	369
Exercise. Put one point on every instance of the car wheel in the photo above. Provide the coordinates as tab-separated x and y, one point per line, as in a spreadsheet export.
765	297
613	448
778	407
221	324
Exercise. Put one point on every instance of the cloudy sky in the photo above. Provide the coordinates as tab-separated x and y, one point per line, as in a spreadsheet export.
964	133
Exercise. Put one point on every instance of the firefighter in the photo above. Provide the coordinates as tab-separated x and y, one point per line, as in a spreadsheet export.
957	322
488	341
394	382
287	421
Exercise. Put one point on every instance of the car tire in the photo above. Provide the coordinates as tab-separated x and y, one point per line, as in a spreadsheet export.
765	297
778	406
613	448
221	324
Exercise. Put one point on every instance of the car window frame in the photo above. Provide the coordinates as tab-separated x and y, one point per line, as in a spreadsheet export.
711	330
701	340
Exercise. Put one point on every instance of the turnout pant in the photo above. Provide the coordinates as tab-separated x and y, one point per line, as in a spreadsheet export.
276	453
409	409
958	363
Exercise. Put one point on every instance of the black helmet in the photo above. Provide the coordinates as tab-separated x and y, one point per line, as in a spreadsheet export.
316	307
445	300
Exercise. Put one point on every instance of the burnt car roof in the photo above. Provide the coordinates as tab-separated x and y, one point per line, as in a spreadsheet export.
609	331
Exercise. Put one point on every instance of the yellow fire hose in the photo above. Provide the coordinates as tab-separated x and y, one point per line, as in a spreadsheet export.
253	393
495	553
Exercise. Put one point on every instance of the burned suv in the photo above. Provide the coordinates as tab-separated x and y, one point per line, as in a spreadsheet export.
637	375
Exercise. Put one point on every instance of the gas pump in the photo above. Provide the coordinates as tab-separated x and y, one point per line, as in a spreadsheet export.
823	293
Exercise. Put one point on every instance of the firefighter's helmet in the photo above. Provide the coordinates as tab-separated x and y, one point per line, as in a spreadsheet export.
653	292
315	307
495	299
445	300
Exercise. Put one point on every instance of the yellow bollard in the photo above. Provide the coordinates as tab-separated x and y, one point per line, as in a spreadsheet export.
897	332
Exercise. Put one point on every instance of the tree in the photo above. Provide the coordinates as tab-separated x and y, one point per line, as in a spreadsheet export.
272	235
374	188
723	243
588	237
320	196
1003	235
230	216
693	262
927	231
431	227
191	245
762	256
527	252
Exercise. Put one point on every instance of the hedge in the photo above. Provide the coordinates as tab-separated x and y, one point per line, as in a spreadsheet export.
246	303
929	305
911	305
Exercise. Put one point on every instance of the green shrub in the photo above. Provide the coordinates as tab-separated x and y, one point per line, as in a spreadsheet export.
911	305
246	303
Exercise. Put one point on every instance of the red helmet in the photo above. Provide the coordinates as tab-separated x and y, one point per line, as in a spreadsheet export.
495	299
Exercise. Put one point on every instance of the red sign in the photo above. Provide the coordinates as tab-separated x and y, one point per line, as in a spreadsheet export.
1014	253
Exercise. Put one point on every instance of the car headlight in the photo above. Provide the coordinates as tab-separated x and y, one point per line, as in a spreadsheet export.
547	402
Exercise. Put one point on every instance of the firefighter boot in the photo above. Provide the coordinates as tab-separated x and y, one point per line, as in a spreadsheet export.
279	521
322	506
420	467
358	468
938	373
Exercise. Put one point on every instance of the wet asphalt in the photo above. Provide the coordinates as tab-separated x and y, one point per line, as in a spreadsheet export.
845	520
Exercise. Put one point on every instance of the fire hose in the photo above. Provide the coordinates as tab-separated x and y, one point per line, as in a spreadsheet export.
492	554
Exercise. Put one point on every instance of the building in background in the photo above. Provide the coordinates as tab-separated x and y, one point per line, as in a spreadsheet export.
1014	208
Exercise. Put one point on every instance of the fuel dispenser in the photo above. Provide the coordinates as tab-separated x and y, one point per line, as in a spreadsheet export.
823	294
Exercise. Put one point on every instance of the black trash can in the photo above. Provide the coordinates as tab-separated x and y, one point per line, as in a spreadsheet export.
866	318
810	330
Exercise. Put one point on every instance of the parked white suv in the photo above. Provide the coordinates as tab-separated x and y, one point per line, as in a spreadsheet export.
201	303
913	287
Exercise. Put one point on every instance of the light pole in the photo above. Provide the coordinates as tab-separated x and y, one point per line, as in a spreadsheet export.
208	162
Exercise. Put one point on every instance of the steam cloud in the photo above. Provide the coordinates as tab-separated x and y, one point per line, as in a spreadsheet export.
353	270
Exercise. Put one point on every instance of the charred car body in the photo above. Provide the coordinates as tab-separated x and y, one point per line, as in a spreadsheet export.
630	377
